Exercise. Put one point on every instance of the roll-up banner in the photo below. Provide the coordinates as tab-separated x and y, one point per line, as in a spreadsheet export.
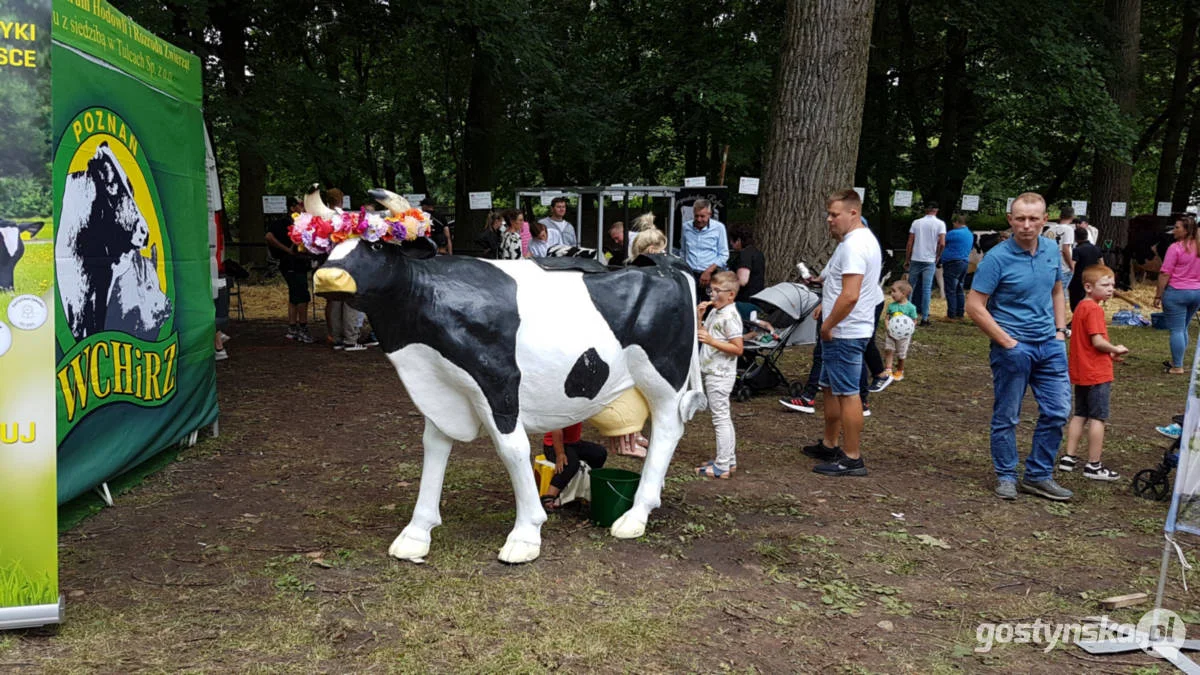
28	509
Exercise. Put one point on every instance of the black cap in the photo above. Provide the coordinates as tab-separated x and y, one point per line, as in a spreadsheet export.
429	201
931	205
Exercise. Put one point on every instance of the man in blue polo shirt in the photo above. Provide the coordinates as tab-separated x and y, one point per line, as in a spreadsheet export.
705	245
1017	300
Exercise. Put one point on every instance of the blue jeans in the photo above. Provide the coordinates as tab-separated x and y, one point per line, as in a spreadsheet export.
1042	367
954	272
842	365
1179	306
920	275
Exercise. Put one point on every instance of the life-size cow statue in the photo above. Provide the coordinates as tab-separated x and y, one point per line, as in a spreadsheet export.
508	348
12	248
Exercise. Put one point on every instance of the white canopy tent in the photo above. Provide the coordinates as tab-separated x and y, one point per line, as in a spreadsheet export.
611	192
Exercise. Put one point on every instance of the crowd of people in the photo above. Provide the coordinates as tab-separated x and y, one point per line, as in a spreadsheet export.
1019	296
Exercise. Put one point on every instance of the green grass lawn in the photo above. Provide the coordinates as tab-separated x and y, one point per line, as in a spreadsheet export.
34	273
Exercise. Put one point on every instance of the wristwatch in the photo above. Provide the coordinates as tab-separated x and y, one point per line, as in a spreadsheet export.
1066	332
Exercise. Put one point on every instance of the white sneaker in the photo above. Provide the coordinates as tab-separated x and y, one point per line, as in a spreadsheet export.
220	355
1098	471
356	347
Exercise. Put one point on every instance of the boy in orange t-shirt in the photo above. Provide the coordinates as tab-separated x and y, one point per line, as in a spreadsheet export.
1090	364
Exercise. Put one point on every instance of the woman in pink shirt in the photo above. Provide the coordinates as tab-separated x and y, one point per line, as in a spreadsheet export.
1179	289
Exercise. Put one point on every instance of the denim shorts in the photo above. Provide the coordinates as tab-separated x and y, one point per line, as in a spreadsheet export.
1091	401
841	365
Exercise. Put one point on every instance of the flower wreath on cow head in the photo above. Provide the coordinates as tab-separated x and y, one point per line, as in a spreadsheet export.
320	228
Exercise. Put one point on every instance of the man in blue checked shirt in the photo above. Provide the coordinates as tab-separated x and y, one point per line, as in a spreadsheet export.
705	245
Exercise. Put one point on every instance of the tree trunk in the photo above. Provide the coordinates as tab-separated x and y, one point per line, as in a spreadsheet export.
233	25
1112	173
1185	184
1064	172
416	163
816	119
1177	104
485	113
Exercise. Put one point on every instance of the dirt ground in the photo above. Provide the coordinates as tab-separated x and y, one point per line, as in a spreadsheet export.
264	550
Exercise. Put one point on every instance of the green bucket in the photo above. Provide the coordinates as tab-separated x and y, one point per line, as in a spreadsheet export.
612	494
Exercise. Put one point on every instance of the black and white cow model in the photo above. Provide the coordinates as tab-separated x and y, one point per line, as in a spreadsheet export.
508	348
12	248
100	223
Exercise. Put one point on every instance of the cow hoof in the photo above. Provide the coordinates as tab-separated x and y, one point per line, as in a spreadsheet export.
409	546
517	552
629	526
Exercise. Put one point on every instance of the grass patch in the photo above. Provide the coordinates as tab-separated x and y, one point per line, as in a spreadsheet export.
19	586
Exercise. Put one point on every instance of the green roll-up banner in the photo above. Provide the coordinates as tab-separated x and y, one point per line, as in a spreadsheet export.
134	311
28	523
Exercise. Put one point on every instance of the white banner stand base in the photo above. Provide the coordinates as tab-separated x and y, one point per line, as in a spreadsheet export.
1172	653
31	616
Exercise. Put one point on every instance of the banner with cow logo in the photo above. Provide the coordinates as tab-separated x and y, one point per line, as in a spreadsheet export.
28	510
135	316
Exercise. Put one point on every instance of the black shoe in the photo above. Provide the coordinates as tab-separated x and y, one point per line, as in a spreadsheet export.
924	323
842	466
820	452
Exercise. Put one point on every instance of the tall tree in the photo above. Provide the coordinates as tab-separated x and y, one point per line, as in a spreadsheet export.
1112	171
1185	54
816	119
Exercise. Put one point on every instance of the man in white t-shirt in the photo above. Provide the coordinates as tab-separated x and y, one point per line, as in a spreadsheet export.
926	239
557	221
849	296
1063	232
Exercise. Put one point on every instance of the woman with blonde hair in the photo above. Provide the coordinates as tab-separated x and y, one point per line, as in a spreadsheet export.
650	240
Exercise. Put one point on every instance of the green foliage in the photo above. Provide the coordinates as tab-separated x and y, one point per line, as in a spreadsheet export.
962	97
23	197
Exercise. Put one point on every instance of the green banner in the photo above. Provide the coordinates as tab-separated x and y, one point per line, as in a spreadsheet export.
28	518
134	309
94	27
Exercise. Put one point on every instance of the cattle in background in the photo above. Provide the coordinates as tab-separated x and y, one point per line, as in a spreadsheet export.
137	304
100	223
509	348
12	248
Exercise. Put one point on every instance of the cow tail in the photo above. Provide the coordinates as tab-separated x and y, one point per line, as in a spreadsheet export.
693	399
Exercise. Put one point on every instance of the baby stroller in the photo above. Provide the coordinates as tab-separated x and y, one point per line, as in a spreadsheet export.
788	308
1155	484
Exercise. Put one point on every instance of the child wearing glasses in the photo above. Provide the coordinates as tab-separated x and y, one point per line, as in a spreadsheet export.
720	337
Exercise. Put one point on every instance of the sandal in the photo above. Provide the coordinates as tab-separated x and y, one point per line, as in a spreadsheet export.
711	470
550	503
1175	371
713	462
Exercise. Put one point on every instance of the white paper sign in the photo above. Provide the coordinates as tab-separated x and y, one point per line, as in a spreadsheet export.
747	186
694	181
548	196
970	203
414	198
1008	206
862	194
1118	210
1079	207
1164	209
479	200
274	204
345	202
902	198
